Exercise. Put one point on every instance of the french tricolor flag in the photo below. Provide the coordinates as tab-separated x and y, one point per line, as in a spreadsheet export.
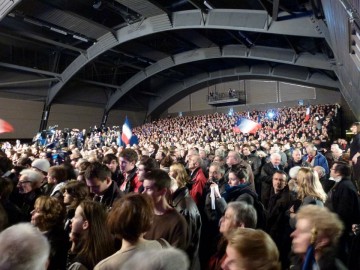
245	125
126	132
307	115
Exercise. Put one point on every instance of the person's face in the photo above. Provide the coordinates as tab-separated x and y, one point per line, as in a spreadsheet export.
36	215
232	260
231	160
275	160
68	199
78	222
246	151
333	172
233	180
301	237
51	179
214	173
279	182
126	165
151	190
96	186
309	150
141	172
112	165
296	156
353	129
193	163
227	221
24	185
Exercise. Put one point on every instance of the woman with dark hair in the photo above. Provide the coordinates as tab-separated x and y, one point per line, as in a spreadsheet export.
74	193
355	154
91	239
48	217
129	219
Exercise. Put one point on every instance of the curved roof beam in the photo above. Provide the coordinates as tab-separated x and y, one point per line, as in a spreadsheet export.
282	73
278	55
244	20
6	6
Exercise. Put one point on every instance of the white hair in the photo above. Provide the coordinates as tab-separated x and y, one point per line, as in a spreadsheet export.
294	171
163	259
23	247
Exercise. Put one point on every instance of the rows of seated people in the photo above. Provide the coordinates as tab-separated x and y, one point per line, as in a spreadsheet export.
212	199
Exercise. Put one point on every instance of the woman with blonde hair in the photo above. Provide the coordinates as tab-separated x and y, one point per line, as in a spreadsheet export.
310	191
251	250
185	205
315	239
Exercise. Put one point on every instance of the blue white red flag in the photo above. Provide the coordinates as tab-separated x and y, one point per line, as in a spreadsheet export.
307	115
126	132
245	125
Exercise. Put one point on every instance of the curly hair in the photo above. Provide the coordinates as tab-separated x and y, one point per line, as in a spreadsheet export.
52	212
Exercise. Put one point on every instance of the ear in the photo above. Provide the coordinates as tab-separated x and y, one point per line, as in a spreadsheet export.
163	191
108	180
85	225
242	181
321	243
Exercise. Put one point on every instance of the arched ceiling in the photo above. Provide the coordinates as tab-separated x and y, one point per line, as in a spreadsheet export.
126	49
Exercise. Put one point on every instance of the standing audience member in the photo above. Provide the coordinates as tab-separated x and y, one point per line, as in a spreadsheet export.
252	250
29	189
98	179
23	247
267	172
56	178
74	193
277	226
111	161
315	239
12	211
355	154
234	160
185	205
343	200
168	223
91	240
128	158
315	158
129	220
48	216
237	214
197	178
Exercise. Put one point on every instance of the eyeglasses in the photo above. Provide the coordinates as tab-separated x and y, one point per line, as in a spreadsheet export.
23	182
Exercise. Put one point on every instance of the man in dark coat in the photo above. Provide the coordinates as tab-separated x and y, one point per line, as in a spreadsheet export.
278	226
343	200
266	175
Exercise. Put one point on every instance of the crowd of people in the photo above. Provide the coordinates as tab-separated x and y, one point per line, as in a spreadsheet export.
192	194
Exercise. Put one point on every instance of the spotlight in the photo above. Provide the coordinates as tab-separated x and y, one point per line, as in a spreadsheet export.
271	115
231	112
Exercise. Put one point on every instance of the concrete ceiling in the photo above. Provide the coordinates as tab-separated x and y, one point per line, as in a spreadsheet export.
110	54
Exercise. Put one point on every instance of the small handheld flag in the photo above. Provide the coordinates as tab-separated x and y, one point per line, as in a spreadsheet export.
307	115
126	132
